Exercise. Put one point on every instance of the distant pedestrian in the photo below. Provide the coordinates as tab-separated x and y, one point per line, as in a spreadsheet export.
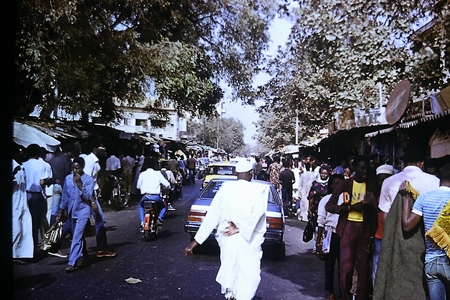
287	179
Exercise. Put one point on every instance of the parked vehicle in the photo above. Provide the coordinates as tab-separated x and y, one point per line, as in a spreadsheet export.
201	168
273	245
219	170
119	197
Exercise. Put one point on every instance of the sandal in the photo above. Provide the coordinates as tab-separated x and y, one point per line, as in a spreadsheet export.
71	269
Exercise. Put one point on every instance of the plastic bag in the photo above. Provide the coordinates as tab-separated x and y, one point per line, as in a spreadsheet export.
308	232
52	236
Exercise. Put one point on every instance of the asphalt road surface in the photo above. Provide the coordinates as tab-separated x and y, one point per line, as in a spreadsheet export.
161	266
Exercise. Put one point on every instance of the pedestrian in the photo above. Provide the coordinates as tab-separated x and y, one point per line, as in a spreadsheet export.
400	267
356	228
61	167
191	163
319	189
22	232
258	168
127	163
36	173
149	183
306	180
329	221
113	165
287	179
296	185
382	173
92	168
239	213
77	199
427	207
274	171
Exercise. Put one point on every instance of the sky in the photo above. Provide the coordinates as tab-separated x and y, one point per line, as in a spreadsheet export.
279	32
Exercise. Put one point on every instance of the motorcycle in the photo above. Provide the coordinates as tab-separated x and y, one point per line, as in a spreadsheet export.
178	185
119	197
151	227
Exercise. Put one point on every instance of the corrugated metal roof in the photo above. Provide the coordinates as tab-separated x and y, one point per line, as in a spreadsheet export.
382	131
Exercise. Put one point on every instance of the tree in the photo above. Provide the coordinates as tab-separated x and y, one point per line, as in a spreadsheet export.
98	54
338	51
227	133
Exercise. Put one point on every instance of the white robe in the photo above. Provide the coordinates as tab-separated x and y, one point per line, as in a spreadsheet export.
22	235
243	203
306	180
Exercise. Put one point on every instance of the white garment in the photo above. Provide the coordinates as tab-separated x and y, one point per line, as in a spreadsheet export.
170	176
35	171
22	232
134	189
419	180
112	163
150	182
296	184
92	167
325	218
243	203
306	180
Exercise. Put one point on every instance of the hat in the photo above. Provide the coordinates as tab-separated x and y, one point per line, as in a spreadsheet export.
243	166
385	169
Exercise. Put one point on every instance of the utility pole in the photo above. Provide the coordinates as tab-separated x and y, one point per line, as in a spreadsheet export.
221	112
296	127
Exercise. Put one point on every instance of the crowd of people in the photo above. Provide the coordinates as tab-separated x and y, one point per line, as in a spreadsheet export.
368	220
368	216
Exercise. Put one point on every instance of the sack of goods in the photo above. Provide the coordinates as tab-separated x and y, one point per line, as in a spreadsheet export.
308	232
52	236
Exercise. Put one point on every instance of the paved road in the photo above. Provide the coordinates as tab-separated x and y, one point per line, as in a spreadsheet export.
165	272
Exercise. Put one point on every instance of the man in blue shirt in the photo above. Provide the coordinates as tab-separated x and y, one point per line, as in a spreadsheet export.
428	206
76	198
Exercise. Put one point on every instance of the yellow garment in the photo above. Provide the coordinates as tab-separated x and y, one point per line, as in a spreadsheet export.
440	231
410	189
358	192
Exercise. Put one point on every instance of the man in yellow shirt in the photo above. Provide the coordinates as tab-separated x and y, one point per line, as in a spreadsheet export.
355	200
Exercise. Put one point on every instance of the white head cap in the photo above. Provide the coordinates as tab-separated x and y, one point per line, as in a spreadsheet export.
243	166
385	169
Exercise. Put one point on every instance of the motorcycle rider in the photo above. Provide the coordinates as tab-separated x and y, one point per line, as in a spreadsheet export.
168	174
150	182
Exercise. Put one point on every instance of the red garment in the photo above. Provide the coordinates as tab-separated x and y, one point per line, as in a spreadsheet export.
191	163
379	232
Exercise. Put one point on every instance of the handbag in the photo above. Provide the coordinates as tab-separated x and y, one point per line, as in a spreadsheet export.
308	232
52	236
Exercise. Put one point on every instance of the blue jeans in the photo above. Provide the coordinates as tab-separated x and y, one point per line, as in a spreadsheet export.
159	201
286	196
191	176
56	198
375	258
437	274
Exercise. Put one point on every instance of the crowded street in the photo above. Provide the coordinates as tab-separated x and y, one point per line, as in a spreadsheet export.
163	268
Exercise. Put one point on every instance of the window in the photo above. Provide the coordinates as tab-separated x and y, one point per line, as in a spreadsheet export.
141	122
158	123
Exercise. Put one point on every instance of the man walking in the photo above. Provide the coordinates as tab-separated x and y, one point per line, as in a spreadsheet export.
356	227
127	163
191	163
240	233
36	173
287	179
427	207
400	267
91	168
76	198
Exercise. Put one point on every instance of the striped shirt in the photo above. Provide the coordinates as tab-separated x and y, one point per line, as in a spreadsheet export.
428	206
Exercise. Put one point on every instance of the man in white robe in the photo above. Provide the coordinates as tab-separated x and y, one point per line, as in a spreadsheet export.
22	235
239	212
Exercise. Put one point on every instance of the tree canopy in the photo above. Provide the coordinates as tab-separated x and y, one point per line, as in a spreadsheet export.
89	56
226	133
338	51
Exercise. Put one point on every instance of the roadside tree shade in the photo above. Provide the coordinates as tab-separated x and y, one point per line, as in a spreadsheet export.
25	135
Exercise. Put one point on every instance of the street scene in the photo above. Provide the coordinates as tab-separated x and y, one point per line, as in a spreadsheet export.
232	149
162	267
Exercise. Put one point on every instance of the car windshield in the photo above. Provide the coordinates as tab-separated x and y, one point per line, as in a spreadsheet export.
221	170
211	189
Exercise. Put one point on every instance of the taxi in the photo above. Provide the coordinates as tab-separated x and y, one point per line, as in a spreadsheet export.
218	170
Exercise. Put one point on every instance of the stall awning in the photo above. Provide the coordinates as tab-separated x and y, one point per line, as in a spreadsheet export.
440	143
26	135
